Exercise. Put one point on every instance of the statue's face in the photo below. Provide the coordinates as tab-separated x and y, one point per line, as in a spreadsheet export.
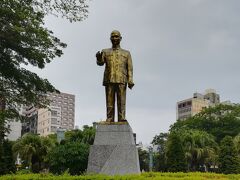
115	38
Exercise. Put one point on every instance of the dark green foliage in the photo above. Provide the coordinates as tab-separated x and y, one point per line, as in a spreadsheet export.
72	153
32	150
229	162
25	40
197	140
175	154
160	157
85	136
143	159
71	156
74	10
236	142
220	121
7	163
200	149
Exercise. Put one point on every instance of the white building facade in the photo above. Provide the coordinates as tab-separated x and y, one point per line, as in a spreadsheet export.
59	115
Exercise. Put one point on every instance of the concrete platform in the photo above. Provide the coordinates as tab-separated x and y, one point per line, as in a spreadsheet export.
114	150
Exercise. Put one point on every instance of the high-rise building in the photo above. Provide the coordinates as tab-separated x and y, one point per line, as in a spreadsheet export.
59	115
30	122
191	106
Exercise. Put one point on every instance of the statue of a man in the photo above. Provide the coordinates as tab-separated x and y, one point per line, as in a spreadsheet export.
118	74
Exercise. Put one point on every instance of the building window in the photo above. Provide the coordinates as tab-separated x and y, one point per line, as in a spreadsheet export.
54	113
189	103
54	120
53	129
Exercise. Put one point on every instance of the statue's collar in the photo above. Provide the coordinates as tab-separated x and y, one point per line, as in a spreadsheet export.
116	48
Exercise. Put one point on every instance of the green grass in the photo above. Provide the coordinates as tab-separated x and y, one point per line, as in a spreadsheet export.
151	175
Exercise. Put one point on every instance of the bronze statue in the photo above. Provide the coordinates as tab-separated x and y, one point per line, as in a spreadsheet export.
117	75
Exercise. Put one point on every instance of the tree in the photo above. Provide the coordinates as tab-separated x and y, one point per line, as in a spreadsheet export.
25	40
85	136
200	149
236	142
143	159
71	156
220	121
33	149
74	10
72	153
7	163
160	157
175	153
228	158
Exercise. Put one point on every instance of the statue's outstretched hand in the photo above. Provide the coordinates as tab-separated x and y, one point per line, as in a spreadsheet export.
130	85
99	55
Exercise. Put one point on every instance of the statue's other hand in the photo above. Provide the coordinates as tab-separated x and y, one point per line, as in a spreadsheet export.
98	55
130	85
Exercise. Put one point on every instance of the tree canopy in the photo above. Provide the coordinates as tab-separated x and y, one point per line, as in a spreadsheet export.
85	136
204	141
220	121
24	40
33	149
72	156
229	161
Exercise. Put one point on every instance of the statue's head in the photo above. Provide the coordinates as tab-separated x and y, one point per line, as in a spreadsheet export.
115	37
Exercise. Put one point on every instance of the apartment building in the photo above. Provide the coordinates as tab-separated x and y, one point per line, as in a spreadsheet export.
29	125
191	106
59	115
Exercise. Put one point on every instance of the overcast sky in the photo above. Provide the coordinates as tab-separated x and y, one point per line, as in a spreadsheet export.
178	47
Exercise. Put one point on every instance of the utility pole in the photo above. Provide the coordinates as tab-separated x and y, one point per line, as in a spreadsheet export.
150	150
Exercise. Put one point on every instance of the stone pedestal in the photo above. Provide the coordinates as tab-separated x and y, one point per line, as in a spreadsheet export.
114	150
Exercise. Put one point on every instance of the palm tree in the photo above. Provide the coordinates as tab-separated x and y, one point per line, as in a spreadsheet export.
47	144
236	142
199	147
33	149
27	147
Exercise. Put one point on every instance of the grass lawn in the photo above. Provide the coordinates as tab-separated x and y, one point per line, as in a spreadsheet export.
151	175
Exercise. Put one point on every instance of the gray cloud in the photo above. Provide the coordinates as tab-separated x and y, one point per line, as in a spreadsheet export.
178	47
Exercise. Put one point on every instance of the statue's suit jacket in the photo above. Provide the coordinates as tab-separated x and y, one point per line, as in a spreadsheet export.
118	66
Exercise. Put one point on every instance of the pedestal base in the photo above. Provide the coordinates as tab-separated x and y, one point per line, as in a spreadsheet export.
114	151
